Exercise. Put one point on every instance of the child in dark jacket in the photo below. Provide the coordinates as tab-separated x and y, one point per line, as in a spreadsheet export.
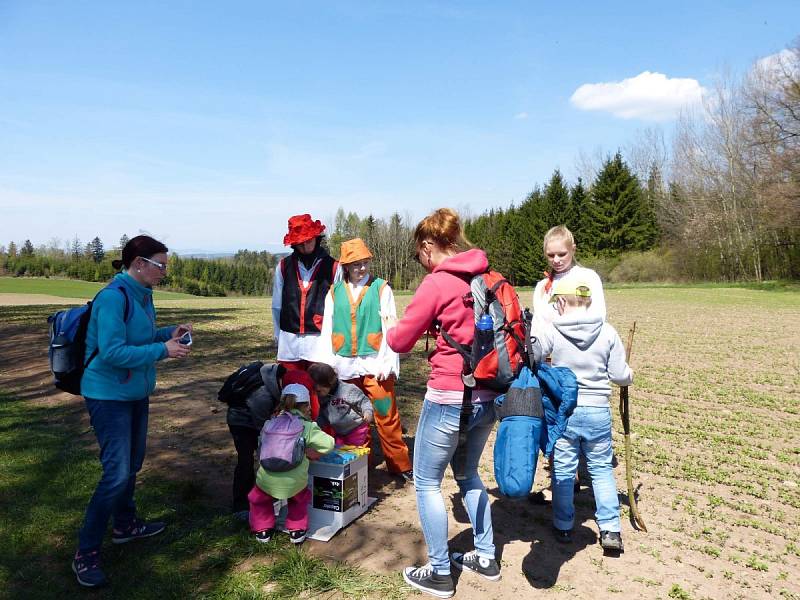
245	422
343	406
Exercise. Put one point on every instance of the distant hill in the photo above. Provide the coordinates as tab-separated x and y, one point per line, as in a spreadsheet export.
204	255
212	254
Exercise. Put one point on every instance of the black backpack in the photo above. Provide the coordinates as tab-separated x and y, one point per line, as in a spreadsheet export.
240	384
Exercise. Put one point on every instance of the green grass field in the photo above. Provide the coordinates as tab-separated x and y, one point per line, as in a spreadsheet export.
48	472
716	422
63	288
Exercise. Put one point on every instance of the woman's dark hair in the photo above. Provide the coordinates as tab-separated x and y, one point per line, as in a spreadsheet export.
141	245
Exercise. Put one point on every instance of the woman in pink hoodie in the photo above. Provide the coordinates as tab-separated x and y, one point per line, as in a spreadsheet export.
443	301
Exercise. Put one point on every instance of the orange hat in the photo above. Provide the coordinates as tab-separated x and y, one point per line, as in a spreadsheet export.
302	229
354	250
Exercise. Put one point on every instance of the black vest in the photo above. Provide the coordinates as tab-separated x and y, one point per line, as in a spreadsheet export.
302	309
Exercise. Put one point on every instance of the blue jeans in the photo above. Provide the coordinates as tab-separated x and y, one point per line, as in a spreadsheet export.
589	433
121	430
434	446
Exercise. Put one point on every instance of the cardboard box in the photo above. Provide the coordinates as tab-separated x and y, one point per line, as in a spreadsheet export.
338	496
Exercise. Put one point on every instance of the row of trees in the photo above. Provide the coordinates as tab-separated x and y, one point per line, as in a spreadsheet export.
390	241
614	215
732	200
247	273
93	250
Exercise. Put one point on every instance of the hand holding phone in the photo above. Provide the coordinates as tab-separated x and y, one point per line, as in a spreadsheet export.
186	339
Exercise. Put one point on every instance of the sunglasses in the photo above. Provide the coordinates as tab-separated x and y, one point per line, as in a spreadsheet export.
157	265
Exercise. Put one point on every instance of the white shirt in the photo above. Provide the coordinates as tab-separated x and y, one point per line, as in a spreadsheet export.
295	346
382	364
544	312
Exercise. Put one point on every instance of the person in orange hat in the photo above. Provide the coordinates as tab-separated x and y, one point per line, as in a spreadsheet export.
302	281
353	342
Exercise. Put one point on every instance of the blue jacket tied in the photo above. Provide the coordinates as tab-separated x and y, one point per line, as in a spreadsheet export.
533	415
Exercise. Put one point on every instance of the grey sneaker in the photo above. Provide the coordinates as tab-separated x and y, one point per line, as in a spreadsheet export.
611	540
485	567
425	579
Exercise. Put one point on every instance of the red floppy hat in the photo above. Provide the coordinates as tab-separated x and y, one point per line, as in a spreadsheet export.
302	229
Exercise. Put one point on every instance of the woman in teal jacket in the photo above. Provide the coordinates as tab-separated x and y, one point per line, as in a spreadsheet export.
122	346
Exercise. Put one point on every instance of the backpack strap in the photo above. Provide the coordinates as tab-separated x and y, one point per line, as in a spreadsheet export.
460	455
527	320
460	348
127	313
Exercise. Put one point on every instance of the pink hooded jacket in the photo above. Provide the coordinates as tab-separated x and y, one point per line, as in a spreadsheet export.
442	296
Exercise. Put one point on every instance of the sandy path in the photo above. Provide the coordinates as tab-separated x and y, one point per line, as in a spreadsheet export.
36	299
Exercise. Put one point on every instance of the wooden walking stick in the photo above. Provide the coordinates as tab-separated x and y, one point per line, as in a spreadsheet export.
625	414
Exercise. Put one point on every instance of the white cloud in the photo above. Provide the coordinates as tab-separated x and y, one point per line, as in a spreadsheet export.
648	96
779	64
521	116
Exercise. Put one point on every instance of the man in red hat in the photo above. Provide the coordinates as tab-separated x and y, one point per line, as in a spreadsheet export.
302	281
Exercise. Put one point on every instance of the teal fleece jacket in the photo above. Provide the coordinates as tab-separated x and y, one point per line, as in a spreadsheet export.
124	368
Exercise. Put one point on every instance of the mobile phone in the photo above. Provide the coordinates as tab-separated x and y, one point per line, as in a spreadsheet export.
186	339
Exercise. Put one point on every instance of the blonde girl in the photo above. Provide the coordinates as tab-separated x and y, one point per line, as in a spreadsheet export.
559	250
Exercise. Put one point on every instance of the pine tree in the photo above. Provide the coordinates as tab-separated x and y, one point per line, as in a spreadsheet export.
653	197
96	250
12	249
580	221
620	218
369	231
556	200
123	241
27	249
535	215
75	248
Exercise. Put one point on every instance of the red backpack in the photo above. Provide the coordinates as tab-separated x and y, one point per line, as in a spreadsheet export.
492	294
497	353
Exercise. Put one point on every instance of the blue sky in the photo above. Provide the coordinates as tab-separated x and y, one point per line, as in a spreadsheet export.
208	124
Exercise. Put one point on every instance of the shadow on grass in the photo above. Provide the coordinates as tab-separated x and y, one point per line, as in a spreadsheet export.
47	474
49	467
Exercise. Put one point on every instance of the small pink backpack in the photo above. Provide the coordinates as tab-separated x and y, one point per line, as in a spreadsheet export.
282	444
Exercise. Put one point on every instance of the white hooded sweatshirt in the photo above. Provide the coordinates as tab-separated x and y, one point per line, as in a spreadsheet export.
592	349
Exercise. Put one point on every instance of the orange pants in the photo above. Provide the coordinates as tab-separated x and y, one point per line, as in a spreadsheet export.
387	421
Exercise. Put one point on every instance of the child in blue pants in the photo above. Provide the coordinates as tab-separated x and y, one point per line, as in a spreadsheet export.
580	340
